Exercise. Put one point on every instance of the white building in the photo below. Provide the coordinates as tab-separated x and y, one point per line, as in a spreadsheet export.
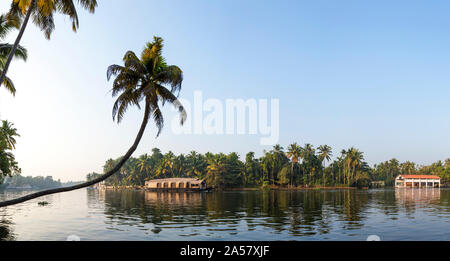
417	181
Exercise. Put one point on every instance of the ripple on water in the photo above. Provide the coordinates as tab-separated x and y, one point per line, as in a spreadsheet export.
310	215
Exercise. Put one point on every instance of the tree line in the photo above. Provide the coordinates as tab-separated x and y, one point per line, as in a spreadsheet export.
296	166
39	182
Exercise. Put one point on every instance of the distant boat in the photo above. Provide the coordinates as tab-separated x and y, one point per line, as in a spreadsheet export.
176	184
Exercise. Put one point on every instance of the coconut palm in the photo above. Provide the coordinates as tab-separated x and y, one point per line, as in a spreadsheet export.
5	49
216	171
354	160
166	168
42	12
145	165
139	80
294	153
279	159
7	136
8	164
195	166
325	153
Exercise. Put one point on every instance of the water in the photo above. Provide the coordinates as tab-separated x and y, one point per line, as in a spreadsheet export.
405	214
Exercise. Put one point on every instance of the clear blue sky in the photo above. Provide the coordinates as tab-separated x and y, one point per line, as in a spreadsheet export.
369	74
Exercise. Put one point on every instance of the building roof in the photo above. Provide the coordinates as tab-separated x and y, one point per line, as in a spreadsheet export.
419	177
177	180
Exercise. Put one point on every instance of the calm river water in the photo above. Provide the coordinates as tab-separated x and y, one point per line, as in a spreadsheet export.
406	214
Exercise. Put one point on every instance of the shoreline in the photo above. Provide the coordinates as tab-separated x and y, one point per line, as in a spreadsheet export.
240	189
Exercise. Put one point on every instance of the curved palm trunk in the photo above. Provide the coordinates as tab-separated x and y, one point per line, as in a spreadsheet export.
92	182
16	43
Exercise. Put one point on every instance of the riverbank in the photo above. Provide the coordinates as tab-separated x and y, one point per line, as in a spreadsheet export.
287	188
242	188
321	215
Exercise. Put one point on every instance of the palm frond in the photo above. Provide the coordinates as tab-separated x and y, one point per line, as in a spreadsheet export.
167	96
171	75
9	85
89	5
114	70
21	52
128	97
159	120
69	9
45	22
5	26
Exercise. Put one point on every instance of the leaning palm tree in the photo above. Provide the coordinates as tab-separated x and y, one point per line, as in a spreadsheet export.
138	80
5	49
42	12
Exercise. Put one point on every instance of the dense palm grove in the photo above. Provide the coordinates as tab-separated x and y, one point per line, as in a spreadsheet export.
8	163
295	166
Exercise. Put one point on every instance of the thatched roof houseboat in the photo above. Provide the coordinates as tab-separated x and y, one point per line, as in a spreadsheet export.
176	184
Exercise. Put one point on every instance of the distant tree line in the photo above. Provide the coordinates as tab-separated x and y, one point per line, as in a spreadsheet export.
40	182
296	166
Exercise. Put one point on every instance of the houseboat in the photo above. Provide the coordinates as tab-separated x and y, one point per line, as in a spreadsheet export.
417	181
176	184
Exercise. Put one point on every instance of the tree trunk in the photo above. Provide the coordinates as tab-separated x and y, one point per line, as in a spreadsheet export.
16	43
92	182
292	174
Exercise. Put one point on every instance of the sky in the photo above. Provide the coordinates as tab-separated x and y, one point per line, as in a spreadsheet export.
368	74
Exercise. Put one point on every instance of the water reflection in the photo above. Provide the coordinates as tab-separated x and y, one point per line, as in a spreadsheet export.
298	213
233	215
418	197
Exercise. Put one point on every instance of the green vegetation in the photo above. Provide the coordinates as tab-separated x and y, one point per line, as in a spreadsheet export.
8	163
139	79
35	183
42	13
296	167
5	49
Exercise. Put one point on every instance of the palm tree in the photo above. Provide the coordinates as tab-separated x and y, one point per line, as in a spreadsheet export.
267	166
140	79
8	163
294	153
42	13
165	168
5	49
7	136
195	166
145	165
354	160
308	156
279	160
325	153
216	171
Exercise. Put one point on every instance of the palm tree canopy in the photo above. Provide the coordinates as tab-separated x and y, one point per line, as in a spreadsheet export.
294	152
145	78
5	49
325	152
44	10
7	136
